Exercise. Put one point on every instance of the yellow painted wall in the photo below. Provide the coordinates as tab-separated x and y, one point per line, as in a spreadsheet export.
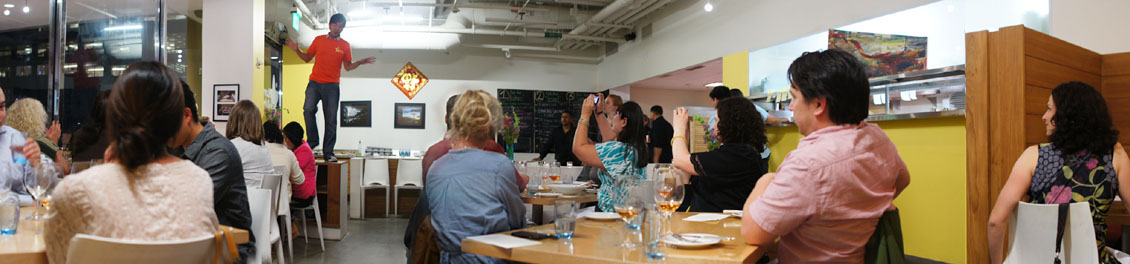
735	71
295	76
932	208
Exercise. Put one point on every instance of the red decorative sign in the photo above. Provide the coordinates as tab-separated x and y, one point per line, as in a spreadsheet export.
410	80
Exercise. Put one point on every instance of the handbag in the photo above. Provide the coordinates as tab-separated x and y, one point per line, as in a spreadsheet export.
1059	226
226	251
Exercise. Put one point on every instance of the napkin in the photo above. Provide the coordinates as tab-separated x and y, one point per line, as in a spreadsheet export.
504	241
706	217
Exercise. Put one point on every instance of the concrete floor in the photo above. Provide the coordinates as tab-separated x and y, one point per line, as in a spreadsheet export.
378	240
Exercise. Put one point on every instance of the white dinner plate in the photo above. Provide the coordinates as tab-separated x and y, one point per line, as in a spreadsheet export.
602	216
548	194
692	240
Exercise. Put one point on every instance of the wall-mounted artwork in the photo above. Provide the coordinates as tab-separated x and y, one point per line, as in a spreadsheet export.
409	80
882	54
357	114
408	115
224	101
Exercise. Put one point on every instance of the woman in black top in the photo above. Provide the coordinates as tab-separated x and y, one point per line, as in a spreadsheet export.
722	178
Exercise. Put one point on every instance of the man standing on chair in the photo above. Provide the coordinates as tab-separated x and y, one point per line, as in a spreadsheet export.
330	53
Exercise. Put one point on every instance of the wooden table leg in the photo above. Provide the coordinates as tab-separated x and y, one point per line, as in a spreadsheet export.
537	214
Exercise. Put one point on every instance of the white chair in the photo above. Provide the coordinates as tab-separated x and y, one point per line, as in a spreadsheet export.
409	175
259	200
375	176
273	182
317	218
92	249
1032	231
283	208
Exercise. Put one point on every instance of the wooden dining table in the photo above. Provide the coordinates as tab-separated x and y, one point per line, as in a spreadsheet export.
539	202
596	242
27	245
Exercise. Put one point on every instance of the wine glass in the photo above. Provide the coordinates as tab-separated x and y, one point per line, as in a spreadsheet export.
38	182
628	206
669	193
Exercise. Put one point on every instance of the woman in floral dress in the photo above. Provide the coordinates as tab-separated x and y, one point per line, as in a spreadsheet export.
1083	162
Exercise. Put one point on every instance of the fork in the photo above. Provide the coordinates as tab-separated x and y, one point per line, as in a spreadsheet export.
696	237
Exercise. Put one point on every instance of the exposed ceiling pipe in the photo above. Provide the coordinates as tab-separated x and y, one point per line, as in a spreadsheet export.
614	7
622	19
583	2
512	47
308	15
561	57
473	6
632	20
495	32
615	18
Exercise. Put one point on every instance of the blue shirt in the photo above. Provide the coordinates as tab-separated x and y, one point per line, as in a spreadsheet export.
16	173
764	116
471	192
619	160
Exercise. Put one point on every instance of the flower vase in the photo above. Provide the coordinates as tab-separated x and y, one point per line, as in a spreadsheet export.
510	151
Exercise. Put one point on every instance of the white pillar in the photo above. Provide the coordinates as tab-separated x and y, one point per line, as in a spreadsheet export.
232	50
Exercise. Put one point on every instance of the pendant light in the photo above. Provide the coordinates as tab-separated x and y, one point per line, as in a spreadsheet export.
26	8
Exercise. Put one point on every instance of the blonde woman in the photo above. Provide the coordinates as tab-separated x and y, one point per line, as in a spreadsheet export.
28	116
470	190
245	130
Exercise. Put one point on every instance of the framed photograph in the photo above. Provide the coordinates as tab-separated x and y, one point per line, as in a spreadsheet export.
225	98
408	115
356	114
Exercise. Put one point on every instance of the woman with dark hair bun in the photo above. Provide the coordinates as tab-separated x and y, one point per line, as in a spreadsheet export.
723	177
1083	162
141	193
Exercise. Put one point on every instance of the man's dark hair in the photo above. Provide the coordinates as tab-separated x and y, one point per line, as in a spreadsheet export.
720	92
272	133
837	77
657	109
337	18
293	131
570	113
450	105
736	93
1082	120
190	100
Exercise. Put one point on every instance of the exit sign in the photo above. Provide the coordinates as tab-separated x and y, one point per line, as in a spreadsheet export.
295	18
553	34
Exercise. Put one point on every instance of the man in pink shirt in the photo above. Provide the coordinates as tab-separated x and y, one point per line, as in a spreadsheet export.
828	195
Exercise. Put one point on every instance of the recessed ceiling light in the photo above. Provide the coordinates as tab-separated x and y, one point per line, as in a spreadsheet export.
713	84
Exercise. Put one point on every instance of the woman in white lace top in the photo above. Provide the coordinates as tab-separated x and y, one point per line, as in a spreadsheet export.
142	192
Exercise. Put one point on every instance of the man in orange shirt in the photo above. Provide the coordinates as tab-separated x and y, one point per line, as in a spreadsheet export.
330	53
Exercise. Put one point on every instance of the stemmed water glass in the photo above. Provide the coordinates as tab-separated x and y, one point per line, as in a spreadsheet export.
39	183
669	193
629	206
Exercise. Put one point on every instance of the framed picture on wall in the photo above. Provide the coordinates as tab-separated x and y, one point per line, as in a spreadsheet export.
356	113
225	98
408	115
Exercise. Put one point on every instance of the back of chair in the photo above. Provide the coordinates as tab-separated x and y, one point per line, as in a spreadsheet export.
259	200
92	249
273	182
376	172
1032	231
410	172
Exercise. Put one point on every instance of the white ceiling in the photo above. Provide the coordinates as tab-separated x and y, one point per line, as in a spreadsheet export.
685	78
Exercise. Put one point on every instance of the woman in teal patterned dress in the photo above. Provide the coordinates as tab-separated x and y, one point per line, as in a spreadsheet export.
618	157
1082	163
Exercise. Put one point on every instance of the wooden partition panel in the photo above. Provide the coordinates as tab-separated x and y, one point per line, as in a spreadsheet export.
1116	91
1009	77
977	145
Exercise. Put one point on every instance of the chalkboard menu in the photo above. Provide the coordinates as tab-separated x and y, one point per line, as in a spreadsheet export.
540	112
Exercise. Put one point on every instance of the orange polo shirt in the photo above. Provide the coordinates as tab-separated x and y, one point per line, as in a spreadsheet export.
329	56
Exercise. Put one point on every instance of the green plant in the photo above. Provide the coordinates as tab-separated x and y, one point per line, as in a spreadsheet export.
510	128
